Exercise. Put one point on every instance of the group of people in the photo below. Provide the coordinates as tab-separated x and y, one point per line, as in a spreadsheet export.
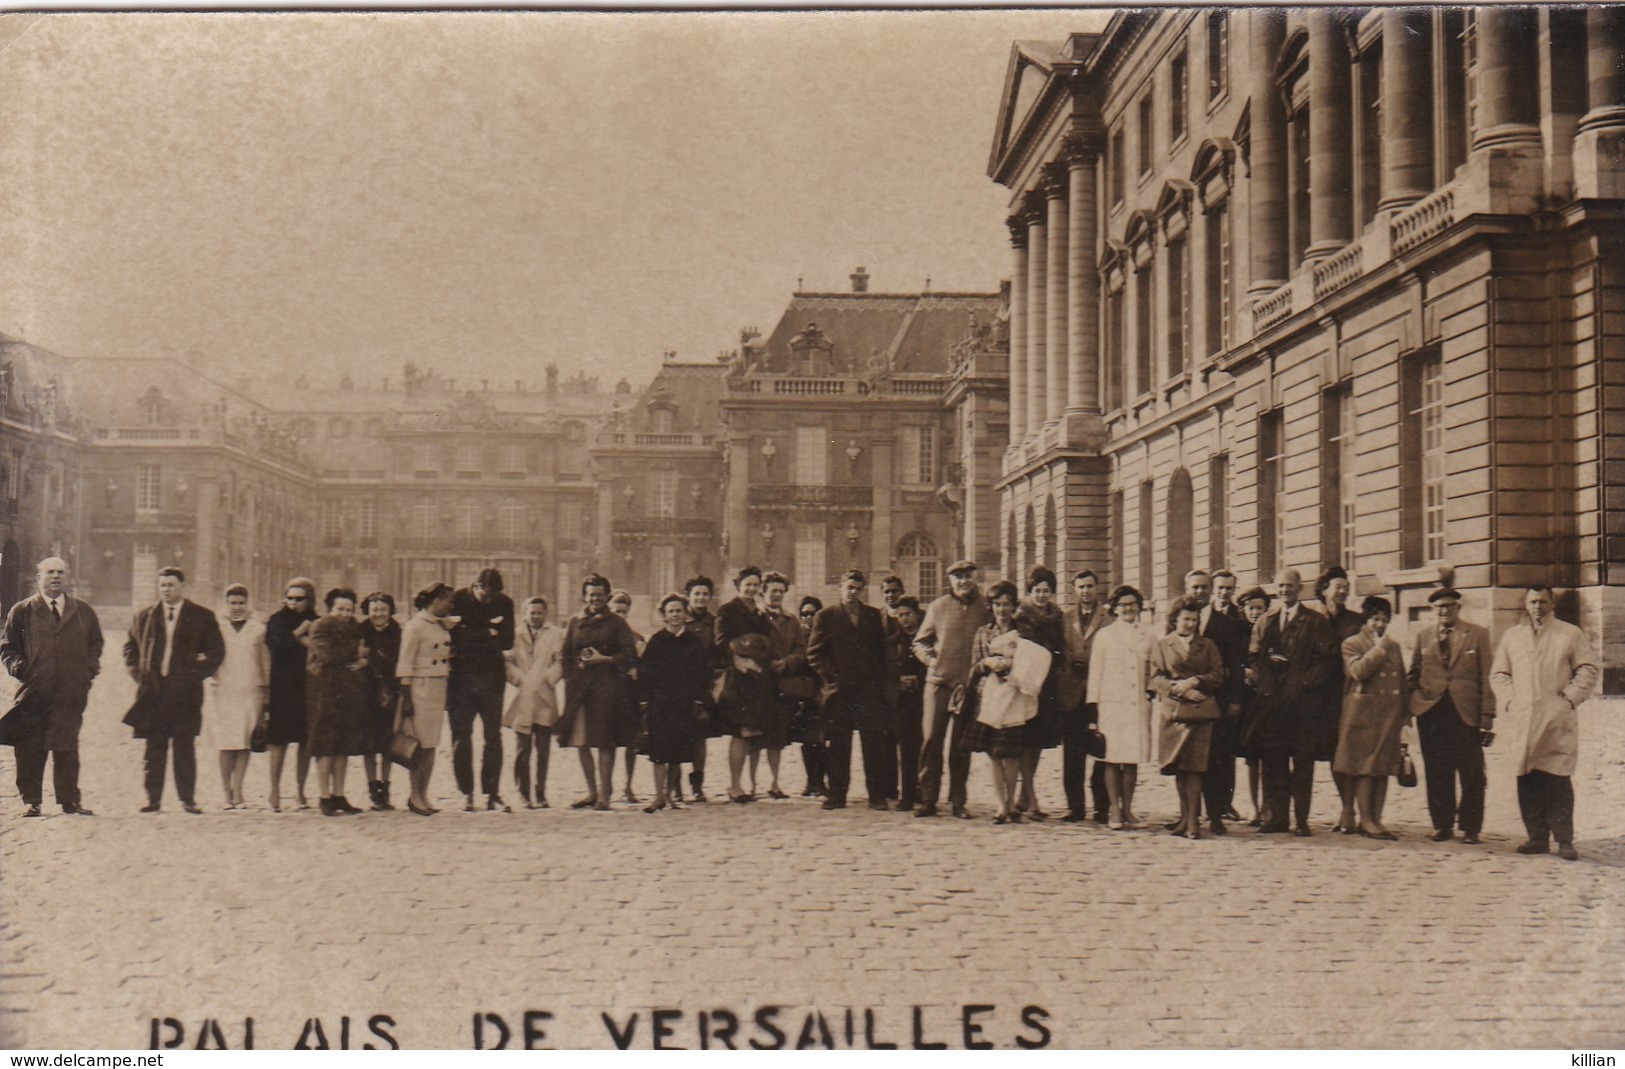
1008	672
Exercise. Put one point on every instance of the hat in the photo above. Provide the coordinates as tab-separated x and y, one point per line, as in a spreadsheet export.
961	566
1251	594
1444	593
751	644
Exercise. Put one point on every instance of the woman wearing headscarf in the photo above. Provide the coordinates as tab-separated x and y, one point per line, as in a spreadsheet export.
1374	714
236	693
1332	591
285	637
1118	674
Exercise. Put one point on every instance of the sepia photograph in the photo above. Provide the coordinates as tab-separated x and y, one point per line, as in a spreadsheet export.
833	529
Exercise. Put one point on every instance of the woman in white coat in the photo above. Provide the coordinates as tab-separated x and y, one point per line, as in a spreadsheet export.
1118	679
236	696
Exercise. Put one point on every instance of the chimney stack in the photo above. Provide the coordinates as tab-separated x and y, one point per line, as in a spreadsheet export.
860	280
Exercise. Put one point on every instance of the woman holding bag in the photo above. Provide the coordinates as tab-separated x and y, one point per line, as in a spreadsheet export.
423	668
1186	672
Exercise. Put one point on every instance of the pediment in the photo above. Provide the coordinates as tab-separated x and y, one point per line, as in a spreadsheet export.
1029	70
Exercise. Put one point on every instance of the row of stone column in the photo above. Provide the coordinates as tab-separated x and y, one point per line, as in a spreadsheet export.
1054	296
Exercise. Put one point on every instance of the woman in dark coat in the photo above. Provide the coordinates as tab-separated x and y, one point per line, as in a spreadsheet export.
1253	604
1332	591
1040	620
381	644
338	704
805	725
792	677
285	634
673	684
749	700
598	647
1187	672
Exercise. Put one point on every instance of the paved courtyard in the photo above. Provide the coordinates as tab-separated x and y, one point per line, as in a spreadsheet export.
1075	935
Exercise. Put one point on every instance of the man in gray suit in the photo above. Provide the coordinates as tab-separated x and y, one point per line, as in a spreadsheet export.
1455	714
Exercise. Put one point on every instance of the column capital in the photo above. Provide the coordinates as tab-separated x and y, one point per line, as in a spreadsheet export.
1033	210
1017	225
1080	150
1054	183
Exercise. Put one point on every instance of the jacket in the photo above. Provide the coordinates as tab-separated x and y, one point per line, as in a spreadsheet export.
1540	679
943	642
171	706
54	662
1072	683
1466	678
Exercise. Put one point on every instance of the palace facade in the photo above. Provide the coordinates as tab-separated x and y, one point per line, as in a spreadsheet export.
1295	288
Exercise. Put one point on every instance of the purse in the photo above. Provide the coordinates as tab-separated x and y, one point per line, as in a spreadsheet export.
1407	768
260	740
1200	712
405	749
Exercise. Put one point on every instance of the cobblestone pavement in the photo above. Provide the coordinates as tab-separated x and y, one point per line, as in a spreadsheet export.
1121	939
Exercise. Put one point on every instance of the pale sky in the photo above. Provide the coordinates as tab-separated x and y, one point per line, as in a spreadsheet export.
486	193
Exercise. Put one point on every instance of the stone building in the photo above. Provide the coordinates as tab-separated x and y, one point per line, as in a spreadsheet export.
841	448
1315	286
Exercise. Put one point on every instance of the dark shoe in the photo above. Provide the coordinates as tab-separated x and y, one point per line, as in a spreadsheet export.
1255	823
150	807
1101	817
1231	815
584	803
1015	818
1385	835
960	814
1567	852
77	810
878	804
1172	824
468	804
926	810
413	808
1443	835
1038	815
191	807
1471	840
1302	831
1532	847
1217	827
328	809
1001	819
344	804
495	804
383	796
1272	828
1073	818
372	791
33	811
700	798
777	795
834	803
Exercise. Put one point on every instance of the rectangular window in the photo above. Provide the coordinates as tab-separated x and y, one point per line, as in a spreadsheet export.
811	574
147	480
513	457
1114	175
1337	501
469	523
662	492
367	525
332	524
1215	280
468	458
1422	460
925	456
812	450
426	457
1218	505
1179	93
662	571
511	524
1116	359
1147	131
569	520
1178	291
1271	483
928	581
1147	549
1142	333
423	522
1298	182
1368	134
1218	53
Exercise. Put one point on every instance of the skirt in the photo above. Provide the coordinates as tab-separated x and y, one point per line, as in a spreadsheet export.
996	742
428	709
1183	747
669	733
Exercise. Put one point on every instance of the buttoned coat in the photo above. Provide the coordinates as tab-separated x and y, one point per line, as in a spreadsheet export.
1294	713
1373	707
1231	636
534	669
854	663
54	662
171	706
1466	678
1539	680
1078	633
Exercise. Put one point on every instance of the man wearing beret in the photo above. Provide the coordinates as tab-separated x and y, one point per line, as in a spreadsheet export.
1454	709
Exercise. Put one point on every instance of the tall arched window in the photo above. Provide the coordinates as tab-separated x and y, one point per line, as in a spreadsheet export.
1181	530
1029	544
1051	535
919	561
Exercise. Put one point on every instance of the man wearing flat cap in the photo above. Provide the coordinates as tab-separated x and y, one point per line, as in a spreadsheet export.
943	645
1454	708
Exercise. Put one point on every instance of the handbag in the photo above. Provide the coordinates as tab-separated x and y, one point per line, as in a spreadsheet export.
1407	768
260	740
405	749
1202	711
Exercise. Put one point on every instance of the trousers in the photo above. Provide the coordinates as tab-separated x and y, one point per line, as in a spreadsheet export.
539	739
1452	750
1288	781
908	732
943	736
158	750
838	762
1547	805
473	693
1219	785
31	755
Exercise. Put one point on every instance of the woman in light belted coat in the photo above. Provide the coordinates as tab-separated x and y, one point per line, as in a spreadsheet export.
1118	677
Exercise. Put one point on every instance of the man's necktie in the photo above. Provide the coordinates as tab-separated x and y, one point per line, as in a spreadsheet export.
169	639
56	611
1444	645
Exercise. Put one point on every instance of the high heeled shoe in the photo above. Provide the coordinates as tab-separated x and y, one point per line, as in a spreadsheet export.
413	807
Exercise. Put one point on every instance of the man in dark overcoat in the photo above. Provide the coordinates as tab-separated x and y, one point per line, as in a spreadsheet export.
1293	654
52	646
1081	623
850	651
1231	635
173	646
479	646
